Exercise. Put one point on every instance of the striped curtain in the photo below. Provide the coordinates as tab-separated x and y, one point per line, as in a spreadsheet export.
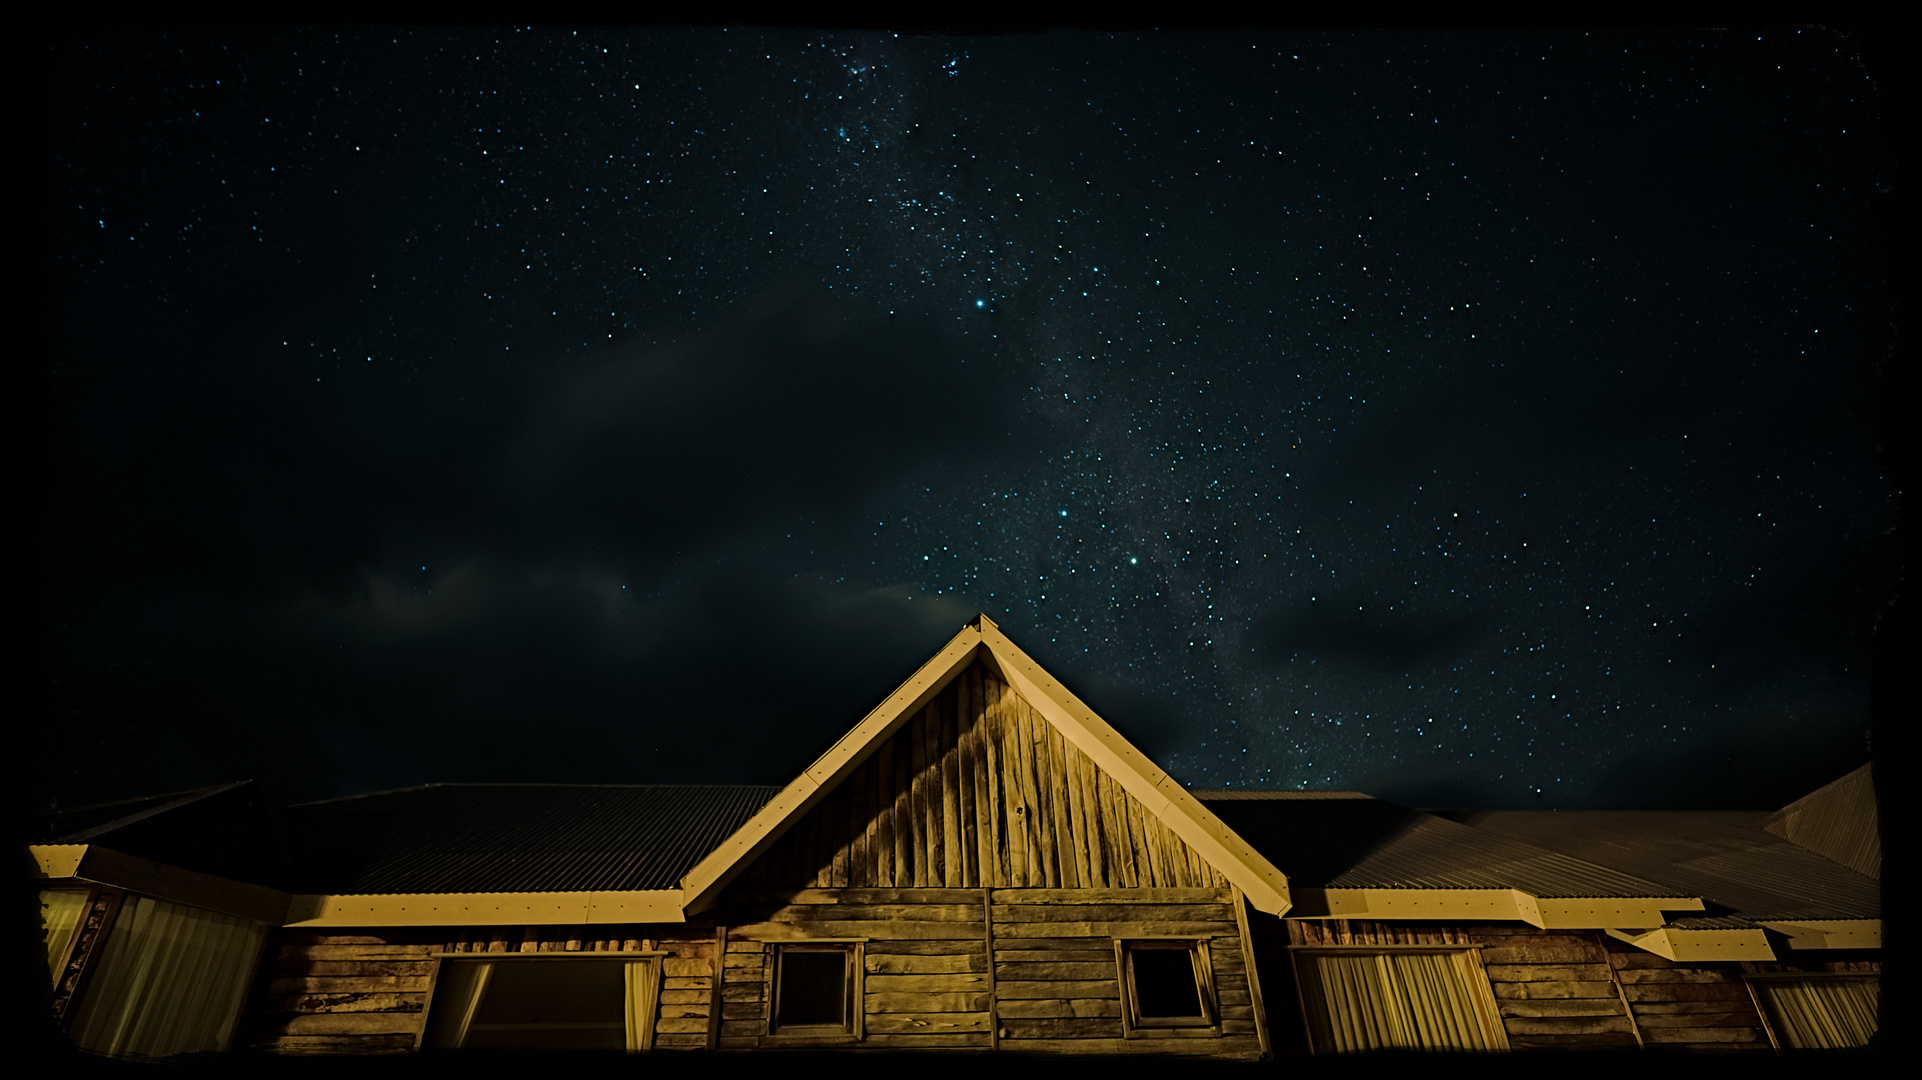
643	995
1821	1014
170	979
1415	1000
60	913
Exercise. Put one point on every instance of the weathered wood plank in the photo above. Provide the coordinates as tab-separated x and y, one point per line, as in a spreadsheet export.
801	913
747	991
1703	1035
1113	895
952	804
358	1023
335	1044
337	1003
293	969
1566	1025
997	873
1646	976
1547	972
1245	1047
1564	1007
1068	840
681	1025
1540	990
926	1003
357	952
955	947
1518	954
1121	912
675	966
942	1040
1045	971
812	897
1061	1027
916	730
966	768
351	984
1686	992
683	1011
932	1023
1003	957
947	982
860	860
1571	1042
1010	989
1663	1008
743	1010
1135	928
904	930
1725	1018
925	965
1083	1007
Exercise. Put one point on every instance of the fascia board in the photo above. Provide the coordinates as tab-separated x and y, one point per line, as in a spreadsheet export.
487	909
1265	886
1601	912
1494	905
1829	933
702	885
57	860
105	866
1678	944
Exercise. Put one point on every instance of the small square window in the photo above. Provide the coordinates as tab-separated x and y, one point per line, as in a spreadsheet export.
816	991
1166	984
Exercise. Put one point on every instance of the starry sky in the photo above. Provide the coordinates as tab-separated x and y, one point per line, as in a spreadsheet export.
1469	418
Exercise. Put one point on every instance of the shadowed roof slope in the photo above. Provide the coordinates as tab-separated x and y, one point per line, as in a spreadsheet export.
1342	840
1722	856
446	838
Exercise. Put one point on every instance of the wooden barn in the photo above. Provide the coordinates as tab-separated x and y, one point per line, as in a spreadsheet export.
981	865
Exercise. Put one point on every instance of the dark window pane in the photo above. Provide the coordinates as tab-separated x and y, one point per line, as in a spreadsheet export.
1165	983
813	988
557	1004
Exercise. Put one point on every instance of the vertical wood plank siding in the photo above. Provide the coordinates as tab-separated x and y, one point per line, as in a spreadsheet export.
978	791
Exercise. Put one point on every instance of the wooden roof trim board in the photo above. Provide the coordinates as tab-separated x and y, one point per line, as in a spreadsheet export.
1501	905
703	884
1677	943
1829	933
487	909
105	866
1265	886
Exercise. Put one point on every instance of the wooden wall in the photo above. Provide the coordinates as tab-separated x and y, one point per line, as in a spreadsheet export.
1046	979
977	790
1581	989
365	991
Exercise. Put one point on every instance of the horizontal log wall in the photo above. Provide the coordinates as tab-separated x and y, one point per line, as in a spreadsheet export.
365	992
977	789
1687	1005
1055	986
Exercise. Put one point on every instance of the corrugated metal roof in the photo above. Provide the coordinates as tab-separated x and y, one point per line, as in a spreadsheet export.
516	837
1722	856
1838	821
1368	843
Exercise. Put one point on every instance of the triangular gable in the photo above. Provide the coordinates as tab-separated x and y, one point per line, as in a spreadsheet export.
1110	792
1837	821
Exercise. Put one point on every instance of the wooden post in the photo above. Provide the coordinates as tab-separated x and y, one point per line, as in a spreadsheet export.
1254	979
1627	1009
987	926
714	991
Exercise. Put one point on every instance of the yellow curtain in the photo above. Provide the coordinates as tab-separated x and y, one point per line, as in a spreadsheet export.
1416	1000
1822	1014
457	996
643	997
170	979
60	913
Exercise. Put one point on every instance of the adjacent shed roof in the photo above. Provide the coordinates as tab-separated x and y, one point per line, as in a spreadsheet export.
1724	857
1344	841
445	838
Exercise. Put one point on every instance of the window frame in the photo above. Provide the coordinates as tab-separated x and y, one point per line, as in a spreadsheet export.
852	1030
1762	1009
1136	1026
440	959
1486	1004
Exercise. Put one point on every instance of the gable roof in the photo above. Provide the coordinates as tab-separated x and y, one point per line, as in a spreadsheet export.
1838	821
981	640
518	838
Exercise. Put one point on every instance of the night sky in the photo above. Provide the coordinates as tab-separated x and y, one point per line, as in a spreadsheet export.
1471	419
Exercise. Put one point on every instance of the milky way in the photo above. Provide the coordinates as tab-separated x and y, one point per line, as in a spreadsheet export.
1466	418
